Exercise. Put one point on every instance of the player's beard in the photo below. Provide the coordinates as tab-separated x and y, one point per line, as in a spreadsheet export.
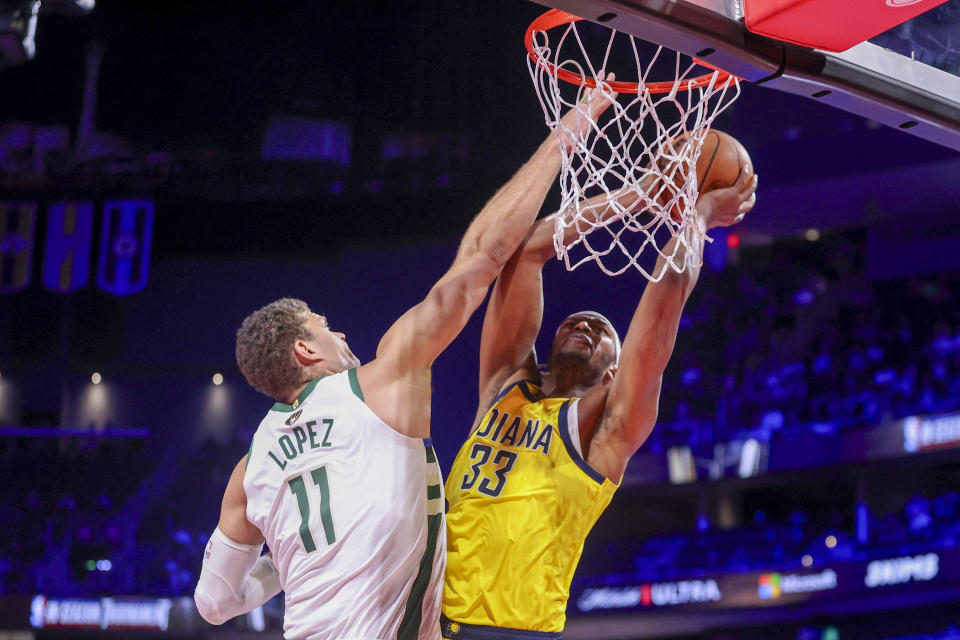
582	364
572	360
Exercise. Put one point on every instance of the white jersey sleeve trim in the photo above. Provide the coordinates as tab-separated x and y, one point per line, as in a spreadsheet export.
573	426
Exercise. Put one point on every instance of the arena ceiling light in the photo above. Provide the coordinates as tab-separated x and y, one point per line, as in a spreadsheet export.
18	25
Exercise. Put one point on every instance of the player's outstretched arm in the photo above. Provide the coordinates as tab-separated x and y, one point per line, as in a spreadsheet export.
234	578
633	400
412	344
513	317
515	311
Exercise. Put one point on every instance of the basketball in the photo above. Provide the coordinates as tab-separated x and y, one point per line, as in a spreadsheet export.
722	160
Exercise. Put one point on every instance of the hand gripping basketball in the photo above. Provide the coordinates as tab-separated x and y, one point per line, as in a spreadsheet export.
620	204
721	160
728	206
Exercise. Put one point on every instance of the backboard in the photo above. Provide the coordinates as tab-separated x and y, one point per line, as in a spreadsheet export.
906	78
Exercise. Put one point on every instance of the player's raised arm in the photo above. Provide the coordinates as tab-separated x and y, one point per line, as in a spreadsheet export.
632	403
421	334
515	311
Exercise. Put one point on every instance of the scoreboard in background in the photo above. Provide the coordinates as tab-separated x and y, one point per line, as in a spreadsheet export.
122	253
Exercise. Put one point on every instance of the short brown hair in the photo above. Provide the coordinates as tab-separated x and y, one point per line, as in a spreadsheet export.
265	346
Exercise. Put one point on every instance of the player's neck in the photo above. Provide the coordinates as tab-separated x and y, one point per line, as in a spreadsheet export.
292	396
311	373
565	381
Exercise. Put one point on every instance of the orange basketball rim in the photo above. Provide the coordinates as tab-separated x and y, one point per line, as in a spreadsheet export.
555	18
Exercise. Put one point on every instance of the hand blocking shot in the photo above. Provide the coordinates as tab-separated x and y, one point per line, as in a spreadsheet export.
341	480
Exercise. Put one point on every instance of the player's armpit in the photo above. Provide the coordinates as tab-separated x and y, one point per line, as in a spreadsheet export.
590	409
635	390
620	432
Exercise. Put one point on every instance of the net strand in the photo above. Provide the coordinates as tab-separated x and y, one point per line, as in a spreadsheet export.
638	166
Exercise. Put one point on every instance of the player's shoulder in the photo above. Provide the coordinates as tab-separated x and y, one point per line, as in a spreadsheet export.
371	377
317	390
382	375
321	395
523	380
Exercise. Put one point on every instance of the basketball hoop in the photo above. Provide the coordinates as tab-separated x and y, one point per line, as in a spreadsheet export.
637	171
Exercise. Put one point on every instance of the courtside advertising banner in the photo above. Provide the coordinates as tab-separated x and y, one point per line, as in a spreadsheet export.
116	616
901	574
931	433
100	613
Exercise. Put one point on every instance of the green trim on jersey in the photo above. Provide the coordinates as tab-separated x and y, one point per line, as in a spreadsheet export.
287	408
355	384
413	616
247	463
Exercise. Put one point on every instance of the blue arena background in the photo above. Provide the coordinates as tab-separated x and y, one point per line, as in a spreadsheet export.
802	481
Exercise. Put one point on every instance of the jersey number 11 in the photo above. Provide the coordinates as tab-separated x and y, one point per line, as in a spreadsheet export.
299	488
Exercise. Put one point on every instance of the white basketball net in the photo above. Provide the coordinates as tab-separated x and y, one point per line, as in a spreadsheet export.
637	163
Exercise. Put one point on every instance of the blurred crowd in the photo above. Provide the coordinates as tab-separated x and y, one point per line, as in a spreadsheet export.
61	504
792	337
800	540
804	341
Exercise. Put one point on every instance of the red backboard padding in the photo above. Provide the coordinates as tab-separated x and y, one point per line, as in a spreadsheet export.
831	25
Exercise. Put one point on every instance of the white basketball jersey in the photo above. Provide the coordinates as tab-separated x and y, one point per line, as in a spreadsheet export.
353	513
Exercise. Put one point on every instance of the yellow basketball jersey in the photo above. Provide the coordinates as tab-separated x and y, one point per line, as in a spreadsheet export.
522	500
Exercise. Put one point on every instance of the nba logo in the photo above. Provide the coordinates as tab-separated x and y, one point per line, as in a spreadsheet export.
768	586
